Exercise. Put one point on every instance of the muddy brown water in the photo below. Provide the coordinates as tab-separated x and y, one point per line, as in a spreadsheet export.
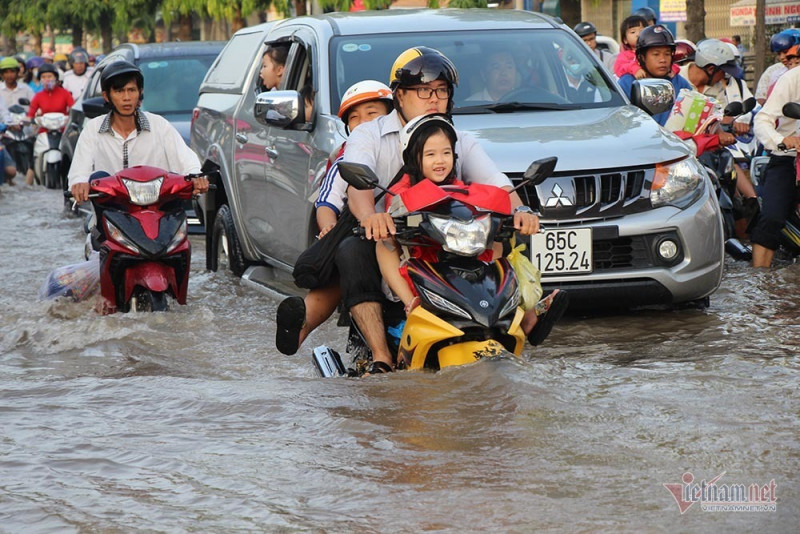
190	421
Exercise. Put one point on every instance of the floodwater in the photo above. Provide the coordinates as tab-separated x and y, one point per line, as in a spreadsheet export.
190	421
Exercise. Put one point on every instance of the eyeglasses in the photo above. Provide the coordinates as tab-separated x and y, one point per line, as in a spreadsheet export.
426	92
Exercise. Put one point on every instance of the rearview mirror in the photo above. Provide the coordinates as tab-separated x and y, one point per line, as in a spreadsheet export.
278	108
749	104
539	170
734	109
24	102
791	110
653	96
94	107
358	176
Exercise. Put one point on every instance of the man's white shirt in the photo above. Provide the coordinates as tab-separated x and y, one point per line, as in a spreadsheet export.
155	142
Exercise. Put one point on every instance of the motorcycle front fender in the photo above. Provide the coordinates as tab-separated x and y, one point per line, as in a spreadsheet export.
156	277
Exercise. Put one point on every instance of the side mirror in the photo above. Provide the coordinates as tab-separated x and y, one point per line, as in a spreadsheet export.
94	107
734	109
24	102
749	104
791	110
540	170
16	108
358	176
279	108
653	96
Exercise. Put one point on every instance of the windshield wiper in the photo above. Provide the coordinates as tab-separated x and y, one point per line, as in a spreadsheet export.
505	107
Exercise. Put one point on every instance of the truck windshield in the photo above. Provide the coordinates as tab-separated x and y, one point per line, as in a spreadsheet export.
498	71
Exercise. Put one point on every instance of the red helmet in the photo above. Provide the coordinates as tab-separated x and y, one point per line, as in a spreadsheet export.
684	51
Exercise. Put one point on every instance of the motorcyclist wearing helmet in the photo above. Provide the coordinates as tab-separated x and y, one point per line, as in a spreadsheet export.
588	32
128	136
422	80
654	50
75	80
778	192
684	52
52	98
780	43
297	317
11	90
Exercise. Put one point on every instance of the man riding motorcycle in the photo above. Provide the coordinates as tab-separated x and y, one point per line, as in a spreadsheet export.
12	92
422	80
128	136
75	80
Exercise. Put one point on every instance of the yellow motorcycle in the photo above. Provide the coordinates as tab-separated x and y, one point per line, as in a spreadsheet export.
470	309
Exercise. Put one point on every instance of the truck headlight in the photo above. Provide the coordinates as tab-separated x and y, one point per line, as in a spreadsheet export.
143	193
466	239
678	184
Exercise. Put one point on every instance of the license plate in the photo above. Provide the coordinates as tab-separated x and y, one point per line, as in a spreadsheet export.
562	251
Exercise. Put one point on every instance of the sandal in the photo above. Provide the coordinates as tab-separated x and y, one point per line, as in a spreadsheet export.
378	368
549	309
290	317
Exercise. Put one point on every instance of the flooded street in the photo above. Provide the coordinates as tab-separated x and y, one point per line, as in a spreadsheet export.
192	421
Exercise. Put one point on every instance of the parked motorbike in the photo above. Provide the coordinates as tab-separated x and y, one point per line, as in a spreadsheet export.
46	151
469	308
720	166
18	137
142	236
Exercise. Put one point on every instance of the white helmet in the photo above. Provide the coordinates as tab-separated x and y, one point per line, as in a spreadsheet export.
364	91
407	132
735	49
718	54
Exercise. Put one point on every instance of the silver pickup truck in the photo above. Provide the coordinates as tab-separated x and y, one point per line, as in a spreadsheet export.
631	216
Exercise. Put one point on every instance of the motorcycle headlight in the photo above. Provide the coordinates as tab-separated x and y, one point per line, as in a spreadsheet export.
466	239
177	239
678	184
116	234
143	193
444	304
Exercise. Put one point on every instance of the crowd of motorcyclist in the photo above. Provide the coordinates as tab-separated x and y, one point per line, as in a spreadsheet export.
31	87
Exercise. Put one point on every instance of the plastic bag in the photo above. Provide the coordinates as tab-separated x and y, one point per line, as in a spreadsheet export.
77	281
693	113
528	275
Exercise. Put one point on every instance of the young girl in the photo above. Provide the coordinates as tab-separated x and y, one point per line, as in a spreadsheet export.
273	63
429	154
626	62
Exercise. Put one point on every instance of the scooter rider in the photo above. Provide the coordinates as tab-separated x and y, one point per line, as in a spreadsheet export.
654	50
12	91
423	80
75	80
778	192
128	136
588	32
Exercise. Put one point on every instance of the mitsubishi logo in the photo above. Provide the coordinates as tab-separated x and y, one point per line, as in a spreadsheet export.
557	199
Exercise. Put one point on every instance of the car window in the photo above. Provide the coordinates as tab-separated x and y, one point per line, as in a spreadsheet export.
171	84
548	68
231	69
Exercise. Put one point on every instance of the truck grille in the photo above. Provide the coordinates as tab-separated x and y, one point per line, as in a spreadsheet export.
591	196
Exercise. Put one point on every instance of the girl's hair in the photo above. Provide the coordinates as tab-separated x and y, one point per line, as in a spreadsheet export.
277	53
634	21
413	154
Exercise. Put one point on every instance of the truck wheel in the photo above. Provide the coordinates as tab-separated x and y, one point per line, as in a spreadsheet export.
226	248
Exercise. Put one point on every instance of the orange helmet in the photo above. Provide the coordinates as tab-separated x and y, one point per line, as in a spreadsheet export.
364	91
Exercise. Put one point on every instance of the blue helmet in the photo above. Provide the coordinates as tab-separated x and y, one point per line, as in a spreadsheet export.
784	40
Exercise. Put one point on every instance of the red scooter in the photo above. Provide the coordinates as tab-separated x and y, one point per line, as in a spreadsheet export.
142	237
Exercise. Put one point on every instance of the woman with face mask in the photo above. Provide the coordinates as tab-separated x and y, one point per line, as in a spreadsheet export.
52	98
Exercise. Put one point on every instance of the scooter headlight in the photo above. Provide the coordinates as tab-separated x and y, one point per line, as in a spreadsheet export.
678	184
116	234
143	193
466	239
177	239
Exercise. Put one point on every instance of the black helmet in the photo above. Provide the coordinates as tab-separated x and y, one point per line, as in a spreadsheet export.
584	28
422	65
120	68
647	13
46	67
654	36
